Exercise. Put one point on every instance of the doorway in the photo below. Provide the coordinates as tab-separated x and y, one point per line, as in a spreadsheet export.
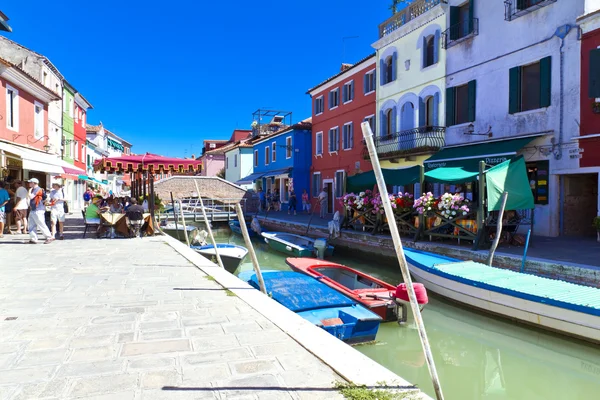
580	204
328	185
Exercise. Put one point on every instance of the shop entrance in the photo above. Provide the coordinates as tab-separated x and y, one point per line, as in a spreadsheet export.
580	204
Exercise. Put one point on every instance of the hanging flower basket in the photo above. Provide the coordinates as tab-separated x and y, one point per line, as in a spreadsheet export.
596	107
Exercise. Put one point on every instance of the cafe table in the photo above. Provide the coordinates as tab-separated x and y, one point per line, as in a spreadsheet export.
117	223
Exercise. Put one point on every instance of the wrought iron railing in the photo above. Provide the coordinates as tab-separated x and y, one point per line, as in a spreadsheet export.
408	13
515	8
421	140
456	33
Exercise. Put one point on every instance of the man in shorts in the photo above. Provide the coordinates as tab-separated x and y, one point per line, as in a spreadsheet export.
20	209
57	210
4	199
37	217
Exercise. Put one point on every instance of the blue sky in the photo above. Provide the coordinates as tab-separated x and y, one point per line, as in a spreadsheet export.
167	75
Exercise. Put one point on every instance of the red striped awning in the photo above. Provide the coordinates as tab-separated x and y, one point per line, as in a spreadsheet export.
148	163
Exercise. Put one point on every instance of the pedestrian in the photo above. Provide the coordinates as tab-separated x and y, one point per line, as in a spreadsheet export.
293	203
305	201
323	203
269	200
20	210
4	199
261	200
276	200
87	196
57	210
37	216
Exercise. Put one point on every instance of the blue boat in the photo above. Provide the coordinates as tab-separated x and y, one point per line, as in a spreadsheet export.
316	302
235	227
231	254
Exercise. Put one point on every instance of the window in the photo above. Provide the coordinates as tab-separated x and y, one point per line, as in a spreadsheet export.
594	71
89	161
38	120
334	139
429	51
538	174
316	184
76	151
71	109
288	147
530	86
387	66
44	78
319	105
267	155
369	82
319	144
340	183
334	98
226	162
389	120
235	160
429	112
83	120
76	115
371	120
274	151
348	136
525	4
348	92
82	152
460	104
12	108
462	22
256	158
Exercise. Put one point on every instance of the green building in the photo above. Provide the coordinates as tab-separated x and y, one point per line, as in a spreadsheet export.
68	126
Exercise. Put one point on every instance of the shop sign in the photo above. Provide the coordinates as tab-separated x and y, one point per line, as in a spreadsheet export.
11	162
575	153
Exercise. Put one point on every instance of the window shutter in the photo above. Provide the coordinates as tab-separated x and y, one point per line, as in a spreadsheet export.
352	90
436	47
351	134
330	100
394	65
382	72
345	93
545	82
471	16
422	112
337	139
521	4
450	106
472	100
365	79
454	21
424	53
514	87
594	74
436	106
382	131
393	124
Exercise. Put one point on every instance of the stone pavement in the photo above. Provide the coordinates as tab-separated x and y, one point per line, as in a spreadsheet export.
134	319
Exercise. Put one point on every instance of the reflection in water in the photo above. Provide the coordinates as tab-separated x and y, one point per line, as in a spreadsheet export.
477	356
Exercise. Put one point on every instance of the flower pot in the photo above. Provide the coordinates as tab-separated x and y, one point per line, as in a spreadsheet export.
596	108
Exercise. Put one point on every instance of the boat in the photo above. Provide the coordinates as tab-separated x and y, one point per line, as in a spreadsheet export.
563	307
231	254
388	301
319	304
296	245
176	230
236	228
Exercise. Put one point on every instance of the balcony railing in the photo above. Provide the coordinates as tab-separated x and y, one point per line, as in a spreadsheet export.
423	140
460	32
408	13
516	8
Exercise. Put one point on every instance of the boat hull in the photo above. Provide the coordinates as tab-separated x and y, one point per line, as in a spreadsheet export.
230	261
293	245
235	228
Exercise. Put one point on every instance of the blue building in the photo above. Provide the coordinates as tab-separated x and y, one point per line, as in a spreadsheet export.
282	161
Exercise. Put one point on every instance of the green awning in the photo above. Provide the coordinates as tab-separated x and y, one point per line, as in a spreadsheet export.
452	175
468	156
511	177
393	177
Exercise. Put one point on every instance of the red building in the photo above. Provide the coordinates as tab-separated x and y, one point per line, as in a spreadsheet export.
339	105
79	129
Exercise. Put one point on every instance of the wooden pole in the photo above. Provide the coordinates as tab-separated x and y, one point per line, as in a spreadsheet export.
187	239
498	229
212	238
389	212
244	228
151	203
175	217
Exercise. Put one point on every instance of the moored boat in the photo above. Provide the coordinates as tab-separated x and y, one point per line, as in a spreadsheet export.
231	254
236	228
296	245
556	305
319	304
382	298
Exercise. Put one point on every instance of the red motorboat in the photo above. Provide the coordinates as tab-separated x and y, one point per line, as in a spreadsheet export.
388	301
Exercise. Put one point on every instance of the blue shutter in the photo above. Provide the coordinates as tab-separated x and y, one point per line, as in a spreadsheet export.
344	93
382	72
394	65
382	118
436	106
351	134
422	112
365	83
330	100
424	53
393	124
352	90
436	47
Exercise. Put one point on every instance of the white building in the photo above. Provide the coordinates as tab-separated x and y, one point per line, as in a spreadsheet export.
239	163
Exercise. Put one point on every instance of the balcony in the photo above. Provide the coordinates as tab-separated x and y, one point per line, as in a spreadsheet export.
408	13
412	142
460	32
516	8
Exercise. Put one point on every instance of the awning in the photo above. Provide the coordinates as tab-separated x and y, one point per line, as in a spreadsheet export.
72	170
277	172
250	178
34	160
393	177
450	175
511	177
468	156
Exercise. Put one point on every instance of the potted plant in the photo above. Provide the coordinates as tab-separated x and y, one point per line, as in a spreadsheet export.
425	204
596	107
596	224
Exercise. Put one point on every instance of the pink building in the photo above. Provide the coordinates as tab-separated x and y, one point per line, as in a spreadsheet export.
213	153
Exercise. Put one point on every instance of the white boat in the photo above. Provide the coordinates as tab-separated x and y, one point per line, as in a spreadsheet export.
296	245
556	305
231	254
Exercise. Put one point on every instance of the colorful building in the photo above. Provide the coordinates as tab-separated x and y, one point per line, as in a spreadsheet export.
239	163
282	160
70	151
340	104
213	158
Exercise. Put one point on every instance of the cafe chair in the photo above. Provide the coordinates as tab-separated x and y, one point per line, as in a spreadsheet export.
135	221
87	224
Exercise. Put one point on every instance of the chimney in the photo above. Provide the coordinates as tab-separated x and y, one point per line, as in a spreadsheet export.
193	157
345	67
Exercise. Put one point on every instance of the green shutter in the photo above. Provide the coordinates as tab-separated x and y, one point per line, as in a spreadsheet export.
514	96
472	100
454	22
521	4
545	81
471	15
594	83
450	106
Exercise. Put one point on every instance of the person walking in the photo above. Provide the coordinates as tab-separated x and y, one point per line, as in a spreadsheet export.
87	196
305	202
20	210
323	203
293	203
4	199
37	218
261	200
57	210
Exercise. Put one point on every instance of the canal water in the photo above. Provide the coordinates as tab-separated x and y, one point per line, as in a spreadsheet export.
478	357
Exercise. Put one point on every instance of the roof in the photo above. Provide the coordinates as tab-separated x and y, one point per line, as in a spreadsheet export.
302	125
239	134
43	57
36	82
99	127
342	72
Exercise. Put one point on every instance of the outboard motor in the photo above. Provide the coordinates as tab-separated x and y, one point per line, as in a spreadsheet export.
402	300
320	247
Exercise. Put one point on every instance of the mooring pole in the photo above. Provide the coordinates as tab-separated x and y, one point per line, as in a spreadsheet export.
244	228
175	217
525	251
212	238
389	212
187	239
498	229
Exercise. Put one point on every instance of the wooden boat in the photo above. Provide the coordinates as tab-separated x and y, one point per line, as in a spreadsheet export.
556	305
231	254
318	303
378	296
295	245
235	228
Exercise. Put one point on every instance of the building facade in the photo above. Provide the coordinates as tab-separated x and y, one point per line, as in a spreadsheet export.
339	106
239	163
282	161
213	159
70	151
103	143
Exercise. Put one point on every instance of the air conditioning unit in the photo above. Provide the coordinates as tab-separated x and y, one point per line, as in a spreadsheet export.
212	145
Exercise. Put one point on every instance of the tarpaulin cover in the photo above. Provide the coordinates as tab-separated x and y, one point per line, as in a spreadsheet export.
511	177
394	177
